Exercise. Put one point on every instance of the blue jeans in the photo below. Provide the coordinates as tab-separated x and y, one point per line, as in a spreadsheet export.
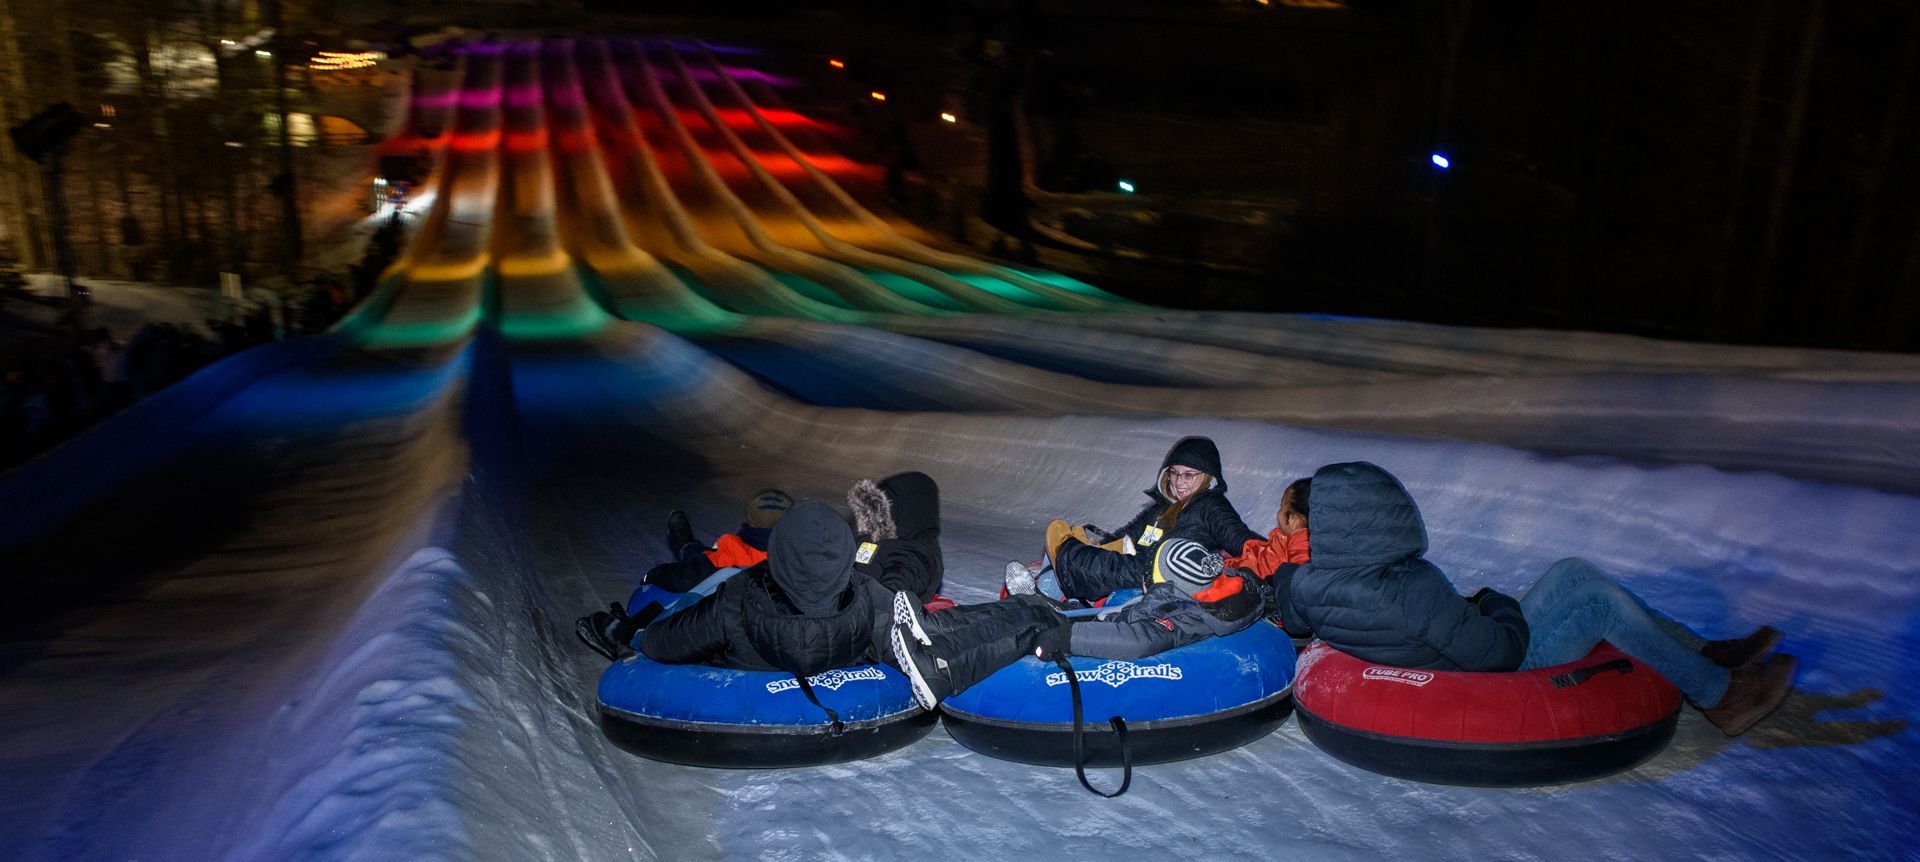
1575	605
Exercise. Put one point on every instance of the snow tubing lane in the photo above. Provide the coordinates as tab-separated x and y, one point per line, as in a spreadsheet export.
1200	699
1607	713
702	715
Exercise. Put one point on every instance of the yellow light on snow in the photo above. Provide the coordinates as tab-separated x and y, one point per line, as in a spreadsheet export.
949	117
878	96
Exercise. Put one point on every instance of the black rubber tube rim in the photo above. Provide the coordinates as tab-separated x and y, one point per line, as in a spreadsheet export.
733	746
1491	764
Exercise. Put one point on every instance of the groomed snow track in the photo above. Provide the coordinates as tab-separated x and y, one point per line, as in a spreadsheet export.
316	601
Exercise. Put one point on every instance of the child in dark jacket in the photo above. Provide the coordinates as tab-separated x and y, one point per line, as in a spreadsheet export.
608	632
695	562
1191	599
803	611
1188	501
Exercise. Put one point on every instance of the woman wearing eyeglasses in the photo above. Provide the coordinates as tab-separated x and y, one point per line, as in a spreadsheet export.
1188	501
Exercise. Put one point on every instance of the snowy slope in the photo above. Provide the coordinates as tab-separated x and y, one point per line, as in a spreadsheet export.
331	617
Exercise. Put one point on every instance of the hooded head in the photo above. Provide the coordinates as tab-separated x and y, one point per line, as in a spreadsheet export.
1196	453
901	506
1186	564
810	556
1363	516
915	502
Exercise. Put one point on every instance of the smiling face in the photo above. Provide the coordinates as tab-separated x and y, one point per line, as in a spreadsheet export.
1181	481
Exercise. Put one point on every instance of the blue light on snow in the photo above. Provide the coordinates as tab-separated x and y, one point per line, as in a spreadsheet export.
1126	187
1441	162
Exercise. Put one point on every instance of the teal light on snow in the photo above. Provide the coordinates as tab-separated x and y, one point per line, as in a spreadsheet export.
1126	187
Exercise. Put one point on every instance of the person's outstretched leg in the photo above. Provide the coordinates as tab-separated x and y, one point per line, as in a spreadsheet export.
1090	572
969	642
1575	605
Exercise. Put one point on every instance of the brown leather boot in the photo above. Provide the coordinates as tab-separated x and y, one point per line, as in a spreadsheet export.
1755	690
1734	652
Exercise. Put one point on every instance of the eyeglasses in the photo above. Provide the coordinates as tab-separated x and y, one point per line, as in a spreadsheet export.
1188	476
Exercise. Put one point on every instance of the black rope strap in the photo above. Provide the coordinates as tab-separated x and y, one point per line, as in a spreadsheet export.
806	688
1575	677
1119	726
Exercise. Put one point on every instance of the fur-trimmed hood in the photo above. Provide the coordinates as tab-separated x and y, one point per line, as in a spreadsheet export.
901	516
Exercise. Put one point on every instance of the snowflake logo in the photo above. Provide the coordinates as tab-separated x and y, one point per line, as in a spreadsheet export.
830	680
1118	673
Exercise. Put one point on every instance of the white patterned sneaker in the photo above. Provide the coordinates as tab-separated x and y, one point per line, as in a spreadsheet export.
906	612
1020	578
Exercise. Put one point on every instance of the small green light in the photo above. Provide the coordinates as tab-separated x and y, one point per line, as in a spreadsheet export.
1126	187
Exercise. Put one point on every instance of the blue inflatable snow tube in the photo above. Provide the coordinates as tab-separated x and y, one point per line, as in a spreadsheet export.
713	716
1200	699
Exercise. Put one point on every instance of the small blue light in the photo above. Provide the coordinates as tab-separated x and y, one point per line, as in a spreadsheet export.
1440	161
1126	187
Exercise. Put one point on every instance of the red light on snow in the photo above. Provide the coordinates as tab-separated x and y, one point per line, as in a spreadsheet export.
527	142
476	142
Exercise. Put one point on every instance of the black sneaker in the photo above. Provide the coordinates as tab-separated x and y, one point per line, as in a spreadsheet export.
679	532
924	670
906	613
600	632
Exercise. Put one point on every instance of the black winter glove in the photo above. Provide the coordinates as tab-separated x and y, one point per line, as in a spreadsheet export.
1055	643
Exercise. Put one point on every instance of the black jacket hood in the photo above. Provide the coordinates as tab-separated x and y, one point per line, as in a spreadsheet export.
810	557
914	500
1198	453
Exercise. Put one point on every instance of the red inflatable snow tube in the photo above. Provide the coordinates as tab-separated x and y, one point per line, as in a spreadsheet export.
1575	721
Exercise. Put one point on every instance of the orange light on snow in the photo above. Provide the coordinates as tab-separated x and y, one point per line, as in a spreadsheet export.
837	63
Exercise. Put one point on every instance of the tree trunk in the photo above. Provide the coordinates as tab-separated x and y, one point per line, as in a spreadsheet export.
1721	322
1761	313
290	199
1849	292
25	212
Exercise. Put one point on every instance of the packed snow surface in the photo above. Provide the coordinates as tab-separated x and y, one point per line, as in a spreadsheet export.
316	602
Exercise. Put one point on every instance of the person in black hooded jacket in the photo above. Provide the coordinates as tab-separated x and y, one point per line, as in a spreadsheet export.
804	610
1188	501
898	522
1369	591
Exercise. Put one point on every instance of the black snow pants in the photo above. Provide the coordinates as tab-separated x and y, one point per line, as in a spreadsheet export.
976	640
1089	573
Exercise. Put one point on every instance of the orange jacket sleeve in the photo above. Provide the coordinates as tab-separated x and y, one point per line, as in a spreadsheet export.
731	551
1262	556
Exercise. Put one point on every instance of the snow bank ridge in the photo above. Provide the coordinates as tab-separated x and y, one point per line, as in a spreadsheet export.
369	775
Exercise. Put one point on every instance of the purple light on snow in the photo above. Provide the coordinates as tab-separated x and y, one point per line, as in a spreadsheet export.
741	73
481	97
523	96
437	100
